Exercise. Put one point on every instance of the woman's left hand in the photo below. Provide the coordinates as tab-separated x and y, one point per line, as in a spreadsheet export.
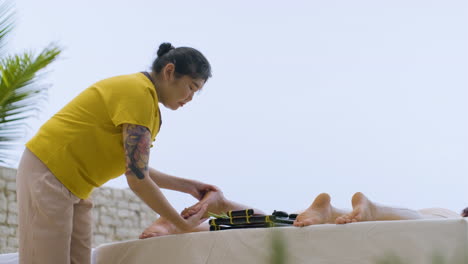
199	189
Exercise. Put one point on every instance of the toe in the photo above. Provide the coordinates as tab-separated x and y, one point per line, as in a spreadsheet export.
339	221
297	223
153	235
193	211
344	220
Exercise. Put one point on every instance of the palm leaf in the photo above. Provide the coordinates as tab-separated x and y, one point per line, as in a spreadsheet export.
20	94
6	22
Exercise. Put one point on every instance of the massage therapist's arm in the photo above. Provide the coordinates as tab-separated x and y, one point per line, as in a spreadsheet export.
136	140
167	181
195	188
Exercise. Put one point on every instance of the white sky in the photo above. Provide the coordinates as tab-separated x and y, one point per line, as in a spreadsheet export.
306	97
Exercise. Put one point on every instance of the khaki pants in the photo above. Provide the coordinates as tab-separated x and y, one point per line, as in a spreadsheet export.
55	226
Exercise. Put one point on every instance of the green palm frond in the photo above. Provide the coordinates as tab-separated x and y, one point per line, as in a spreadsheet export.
6	22
20	93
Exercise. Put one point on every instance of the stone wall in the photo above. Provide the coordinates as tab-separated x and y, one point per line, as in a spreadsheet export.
118	214
8	211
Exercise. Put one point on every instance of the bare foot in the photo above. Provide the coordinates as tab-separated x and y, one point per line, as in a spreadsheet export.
216	204
319	212
160	227
363	210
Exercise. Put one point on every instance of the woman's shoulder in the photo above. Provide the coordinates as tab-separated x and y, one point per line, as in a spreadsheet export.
131	86
135	84
134	79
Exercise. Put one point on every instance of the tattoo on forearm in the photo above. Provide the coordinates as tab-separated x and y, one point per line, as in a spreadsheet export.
137	145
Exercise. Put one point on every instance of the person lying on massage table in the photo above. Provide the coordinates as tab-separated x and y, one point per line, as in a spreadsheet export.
465	212
320	211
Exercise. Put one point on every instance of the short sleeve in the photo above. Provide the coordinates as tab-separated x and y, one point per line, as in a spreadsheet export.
129	100
135	108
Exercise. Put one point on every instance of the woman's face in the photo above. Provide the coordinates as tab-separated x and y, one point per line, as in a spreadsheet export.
178	91
181	90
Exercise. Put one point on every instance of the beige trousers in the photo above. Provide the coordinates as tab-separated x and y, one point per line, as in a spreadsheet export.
54	226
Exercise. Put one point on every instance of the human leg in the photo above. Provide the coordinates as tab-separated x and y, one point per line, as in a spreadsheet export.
45	214
217	204
82	232
441	213
366	210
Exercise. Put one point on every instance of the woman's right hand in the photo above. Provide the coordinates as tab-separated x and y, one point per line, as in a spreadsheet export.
195	220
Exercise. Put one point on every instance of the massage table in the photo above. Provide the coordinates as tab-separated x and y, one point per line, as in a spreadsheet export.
412	242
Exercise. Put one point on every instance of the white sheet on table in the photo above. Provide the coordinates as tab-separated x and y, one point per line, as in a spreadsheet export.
413	241
12	258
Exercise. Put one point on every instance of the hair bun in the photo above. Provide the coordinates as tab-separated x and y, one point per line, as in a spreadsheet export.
165	48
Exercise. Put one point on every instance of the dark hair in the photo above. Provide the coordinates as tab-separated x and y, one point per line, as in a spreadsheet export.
187	61
465	212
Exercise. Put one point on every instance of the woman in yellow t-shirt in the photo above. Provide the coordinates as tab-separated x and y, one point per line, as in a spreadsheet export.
104	132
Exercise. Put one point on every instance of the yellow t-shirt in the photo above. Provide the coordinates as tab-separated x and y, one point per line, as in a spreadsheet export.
82	145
